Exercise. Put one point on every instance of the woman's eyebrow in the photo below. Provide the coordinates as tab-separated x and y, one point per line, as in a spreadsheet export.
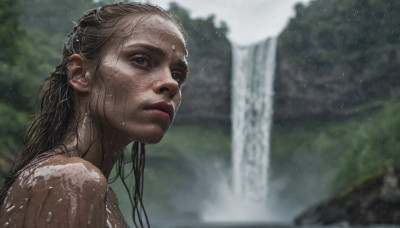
183	63
151	48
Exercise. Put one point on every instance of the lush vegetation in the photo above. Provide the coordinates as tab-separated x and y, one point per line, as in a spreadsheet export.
31	38
358	34
16	60
375	144
325	156
203	33
315	157
320	155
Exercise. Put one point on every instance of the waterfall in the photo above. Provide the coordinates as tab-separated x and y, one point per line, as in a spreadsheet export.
252	89
244	198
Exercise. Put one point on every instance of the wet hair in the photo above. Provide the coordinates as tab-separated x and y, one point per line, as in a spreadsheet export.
89	38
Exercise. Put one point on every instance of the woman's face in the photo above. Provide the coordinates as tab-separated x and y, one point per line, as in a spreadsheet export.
137	91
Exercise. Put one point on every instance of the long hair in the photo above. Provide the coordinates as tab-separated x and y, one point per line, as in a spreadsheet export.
88	38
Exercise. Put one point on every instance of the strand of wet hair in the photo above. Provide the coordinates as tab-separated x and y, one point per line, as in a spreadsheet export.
136	199
140	188
138	164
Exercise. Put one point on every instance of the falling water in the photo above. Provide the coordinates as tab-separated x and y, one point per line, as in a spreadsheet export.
252	79
252	87
245	199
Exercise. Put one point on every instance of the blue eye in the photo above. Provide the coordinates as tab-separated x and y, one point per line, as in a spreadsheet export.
141	60
179	77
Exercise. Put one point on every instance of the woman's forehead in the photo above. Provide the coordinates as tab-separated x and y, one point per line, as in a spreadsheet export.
150	29
148	23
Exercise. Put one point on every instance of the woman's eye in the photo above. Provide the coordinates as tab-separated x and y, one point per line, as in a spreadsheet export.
140	60
179	77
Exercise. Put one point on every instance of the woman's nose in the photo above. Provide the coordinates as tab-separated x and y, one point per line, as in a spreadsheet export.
166	84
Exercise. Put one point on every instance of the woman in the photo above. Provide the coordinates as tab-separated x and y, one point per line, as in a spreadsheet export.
119	82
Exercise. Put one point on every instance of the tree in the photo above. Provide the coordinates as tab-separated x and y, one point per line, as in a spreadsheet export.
12	118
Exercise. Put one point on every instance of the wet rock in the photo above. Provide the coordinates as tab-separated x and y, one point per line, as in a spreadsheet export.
374	199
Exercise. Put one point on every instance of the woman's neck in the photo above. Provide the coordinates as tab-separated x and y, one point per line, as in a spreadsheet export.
99	145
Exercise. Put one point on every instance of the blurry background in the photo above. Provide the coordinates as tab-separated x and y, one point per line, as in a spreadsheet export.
336	98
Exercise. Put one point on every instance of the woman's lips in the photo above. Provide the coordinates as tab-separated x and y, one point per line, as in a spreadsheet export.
162	109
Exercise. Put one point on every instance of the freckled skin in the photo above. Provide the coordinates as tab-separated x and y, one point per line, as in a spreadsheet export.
137	70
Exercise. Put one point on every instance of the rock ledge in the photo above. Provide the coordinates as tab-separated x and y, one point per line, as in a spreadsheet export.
373	199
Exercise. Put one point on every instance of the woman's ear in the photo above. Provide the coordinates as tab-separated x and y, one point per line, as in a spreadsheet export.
79	75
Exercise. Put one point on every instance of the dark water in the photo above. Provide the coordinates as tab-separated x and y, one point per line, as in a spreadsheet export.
253	225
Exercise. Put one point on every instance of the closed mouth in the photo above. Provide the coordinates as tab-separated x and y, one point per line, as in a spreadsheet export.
163	107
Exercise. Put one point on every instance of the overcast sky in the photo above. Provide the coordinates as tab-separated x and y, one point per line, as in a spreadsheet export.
249	20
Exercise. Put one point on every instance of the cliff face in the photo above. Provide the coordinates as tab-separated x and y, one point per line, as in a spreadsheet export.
332	57
335	55
333	91
206	95
335	59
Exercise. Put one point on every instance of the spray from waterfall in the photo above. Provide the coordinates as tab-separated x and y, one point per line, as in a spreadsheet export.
244	198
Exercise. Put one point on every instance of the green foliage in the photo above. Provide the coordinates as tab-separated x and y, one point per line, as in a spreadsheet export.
10	30
305	154
15	86
362	184
360	35
323	157
31	38
48	22
375	145
11	124
205	39
361	38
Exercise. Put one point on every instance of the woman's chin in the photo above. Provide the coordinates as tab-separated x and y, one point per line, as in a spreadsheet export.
150	137
154	139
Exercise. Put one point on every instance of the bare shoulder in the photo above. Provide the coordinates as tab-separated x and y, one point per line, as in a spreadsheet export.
58	170
58	191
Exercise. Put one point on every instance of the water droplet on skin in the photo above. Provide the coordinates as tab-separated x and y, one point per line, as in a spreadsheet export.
109	224
173	47
123	123
49	217
6	224
59	200
9	200
10	208
91	208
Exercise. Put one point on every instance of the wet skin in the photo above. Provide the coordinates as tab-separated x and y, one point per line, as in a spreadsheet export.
135	100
